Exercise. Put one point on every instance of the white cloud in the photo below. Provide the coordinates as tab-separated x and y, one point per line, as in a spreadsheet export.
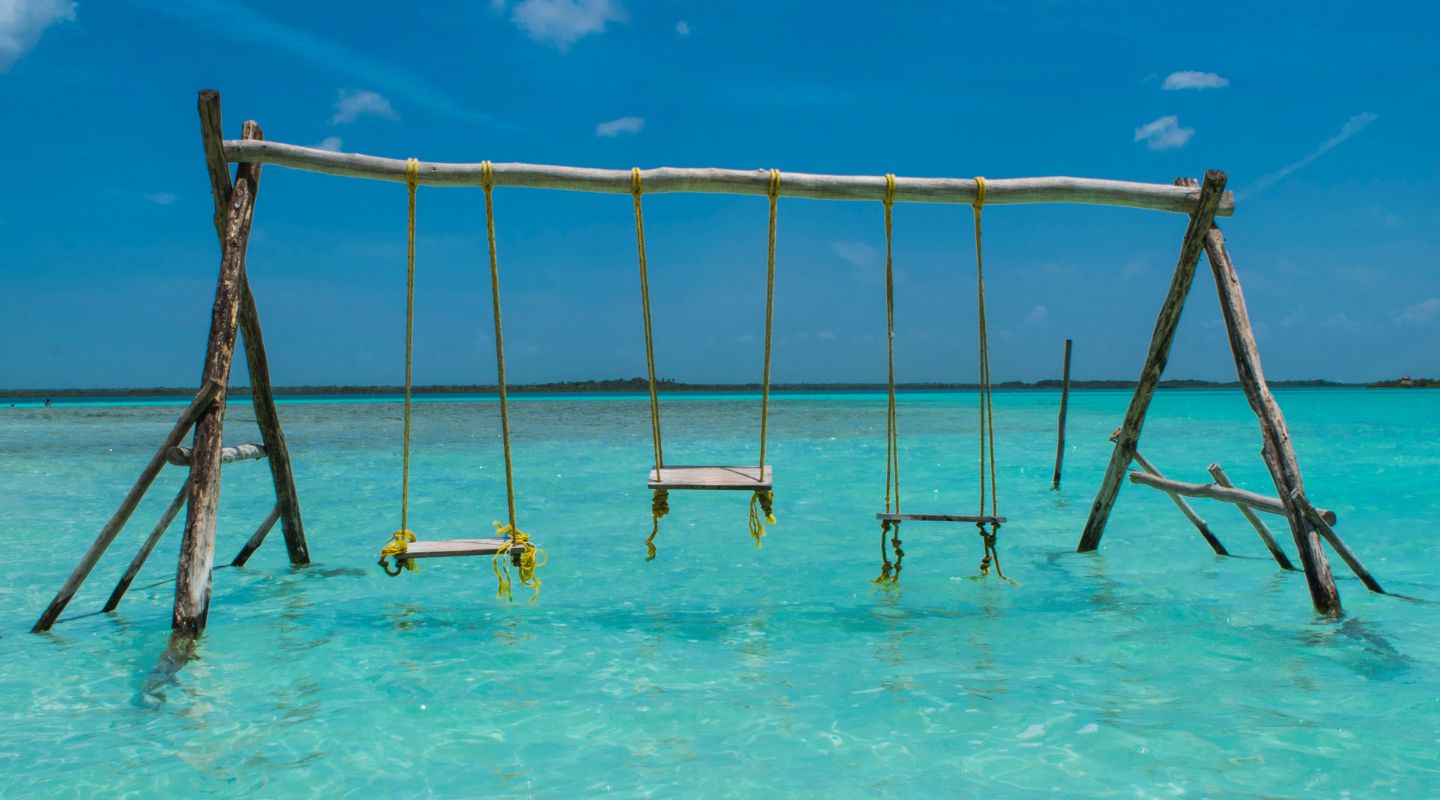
1037	315
1351	127
1190	79
615	127
683	28
1420	313
1164	134
22	22
158	198
353	105
858	254
565	22
331	143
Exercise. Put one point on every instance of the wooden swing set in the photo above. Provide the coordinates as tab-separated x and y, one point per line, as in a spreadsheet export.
234	314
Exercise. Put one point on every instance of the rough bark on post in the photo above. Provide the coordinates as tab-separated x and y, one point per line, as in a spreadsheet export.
197	551
1278	452
261	394
202	400
1064	405
1164	335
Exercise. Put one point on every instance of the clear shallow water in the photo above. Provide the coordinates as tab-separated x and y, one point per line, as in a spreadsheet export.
1151	668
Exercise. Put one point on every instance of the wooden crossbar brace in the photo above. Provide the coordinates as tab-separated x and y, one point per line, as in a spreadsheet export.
998	191
180	456
1225	494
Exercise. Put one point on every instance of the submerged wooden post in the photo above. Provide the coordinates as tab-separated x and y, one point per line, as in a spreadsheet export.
1160	341
1250	516
261	393
202	400
257	538
145	549
1180	503
1064	404
1278	452
197	551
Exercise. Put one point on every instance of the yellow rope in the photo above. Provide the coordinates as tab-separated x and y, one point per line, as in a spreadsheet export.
517	546
987	409
397	546
762	502
403	536
526	557
659	501
892	449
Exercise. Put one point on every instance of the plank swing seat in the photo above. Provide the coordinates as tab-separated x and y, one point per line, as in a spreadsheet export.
988	520
759	479
450	548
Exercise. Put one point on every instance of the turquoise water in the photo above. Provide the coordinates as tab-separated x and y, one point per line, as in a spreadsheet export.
1152	668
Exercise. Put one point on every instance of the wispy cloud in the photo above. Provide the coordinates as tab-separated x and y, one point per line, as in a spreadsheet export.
160	198
1164	134
565	22
331	143
22	22
1420	313
1190	79
1351	127
858	254
615	127
353	105
683	28
239	23
1037	316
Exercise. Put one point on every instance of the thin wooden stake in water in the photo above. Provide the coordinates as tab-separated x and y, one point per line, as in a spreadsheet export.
1200	524
1254	519
149	545
1064	404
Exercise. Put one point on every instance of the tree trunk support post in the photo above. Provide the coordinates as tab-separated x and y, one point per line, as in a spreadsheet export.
1064	406
197	551
1160	341
266	416
1278	451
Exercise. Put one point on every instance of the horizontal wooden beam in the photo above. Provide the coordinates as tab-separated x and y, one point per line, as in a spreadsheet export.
663	180
180	456
1242	497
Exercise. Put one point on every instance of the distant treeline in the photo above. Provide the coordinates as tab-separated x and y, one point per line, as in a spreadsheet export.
629	385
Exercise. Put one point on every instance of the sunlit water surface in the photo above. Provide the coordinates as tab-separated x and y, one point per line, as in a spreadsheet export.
1152	668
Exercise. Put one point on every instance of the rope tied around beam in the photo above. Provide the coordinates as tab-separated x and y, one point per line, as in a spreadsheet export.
660	498
400	540
889	574
762	503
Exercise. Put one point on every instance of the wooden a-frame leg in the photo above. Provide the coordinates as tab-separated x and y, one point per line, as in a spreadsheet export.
1164	335
266	416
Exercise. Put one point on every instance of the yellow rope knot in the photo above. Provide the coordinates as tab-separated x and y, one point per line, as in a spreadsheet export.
889	575
399	545
992	555
762	507
525	556
487	176
979	193
412	172
636	185
659	507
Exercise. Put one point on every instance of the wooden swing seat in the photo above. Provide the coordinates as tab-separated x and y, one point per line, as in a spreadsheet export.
740	478
938	518
451	548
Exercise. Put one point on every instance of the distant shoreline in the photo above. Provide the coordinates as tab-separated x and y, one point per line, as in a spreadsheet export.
634	385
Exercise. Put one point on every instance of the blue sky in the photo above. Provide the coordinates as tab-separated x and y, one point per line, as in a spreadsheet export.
1324	115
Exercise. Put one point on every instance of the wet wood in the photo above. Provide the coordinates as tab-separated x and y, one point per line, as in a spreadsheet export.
202	400
1200	524
1277	450
998	191
197	551
1064	405
1160	342
1255	522
1346	554
180	456
739	478
146	548
262	396
257	538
